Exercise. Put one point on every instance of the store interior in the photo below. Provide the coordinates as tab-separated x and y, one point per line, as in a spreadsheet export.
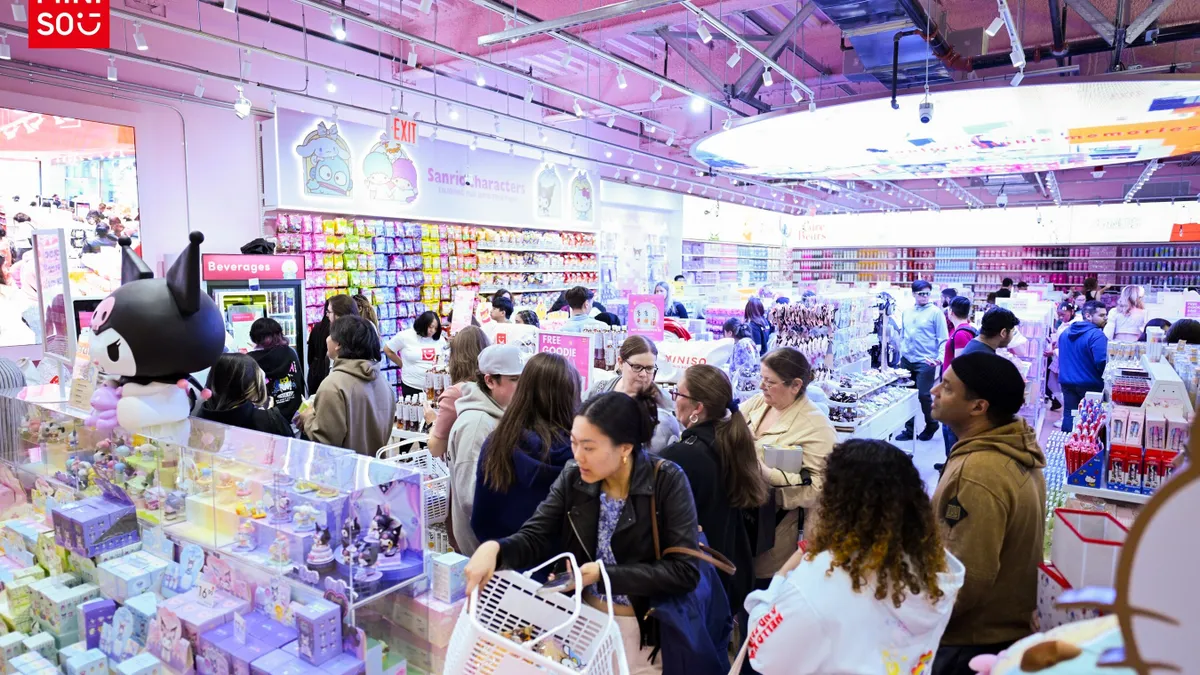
696	166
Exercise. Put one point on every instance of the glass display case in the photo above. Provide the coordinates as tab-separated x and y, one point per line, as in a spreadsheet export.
231	522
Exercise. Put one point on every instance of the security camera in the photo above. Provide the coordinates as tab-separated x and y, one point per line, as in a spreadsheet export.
926	110
1002	200
467	180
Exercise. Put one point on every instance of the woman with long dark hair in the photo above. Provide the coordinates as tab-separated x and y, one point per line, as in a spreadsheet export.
599	509
464	367
876	564
319	361
637	364
416	352
756	319
240	397
717	453
529	448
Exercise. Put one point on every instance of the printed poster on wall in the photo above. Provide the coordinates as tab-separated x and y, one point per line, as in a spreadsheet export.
318	164
646	316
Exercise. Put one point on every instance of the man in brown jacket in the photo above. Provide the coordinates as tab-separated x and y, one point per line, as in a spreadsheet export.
991	504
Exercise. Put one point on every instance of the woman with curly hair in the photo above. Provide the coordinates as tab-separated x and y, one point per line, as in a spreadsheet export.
874	589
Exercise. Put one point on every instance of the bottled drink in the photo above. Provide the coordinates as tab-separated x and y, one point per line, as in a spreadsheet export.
610	349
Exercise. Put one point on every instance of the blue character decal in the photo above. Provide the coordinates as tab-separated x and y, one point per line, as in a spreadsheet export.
326	162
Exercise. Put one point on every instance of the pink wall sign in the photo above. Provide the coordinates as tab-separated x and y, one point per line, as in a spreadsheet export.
224	267
1191	310
575	348
646	316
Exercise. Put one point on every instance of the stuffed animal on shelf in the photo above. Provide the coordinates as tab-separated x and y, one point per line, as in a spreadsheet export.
153	333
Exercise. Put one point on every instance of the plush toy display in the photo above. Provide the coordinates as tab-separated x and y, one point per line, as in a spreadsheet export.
153	333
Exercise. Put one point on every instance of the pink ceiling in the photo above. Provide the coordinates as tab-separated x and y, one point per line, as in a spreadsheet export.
174	62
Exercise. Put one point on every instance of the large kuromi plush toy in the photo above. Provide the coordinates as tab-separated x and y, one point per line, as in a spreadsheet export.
152	333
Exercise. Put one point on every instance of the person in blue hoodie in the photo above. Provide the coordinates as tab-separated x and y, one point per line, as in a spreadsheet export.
529	448
1082	355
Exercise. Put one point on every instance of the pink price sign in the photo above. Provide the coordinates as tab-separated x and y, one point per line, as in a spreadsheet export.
574	348
1191	310
646	316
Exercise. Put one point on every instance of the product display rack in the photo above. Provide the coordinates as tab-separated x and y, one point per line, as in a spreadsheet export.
1159	265
718	263
536	265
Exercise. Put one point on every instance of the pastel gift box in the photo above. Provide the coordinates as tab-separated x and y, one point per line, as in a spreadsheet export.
280	662
70	651
1051	585
19	619
427	617
92	615
449	577
90	662
32	663
222	643
64	639
142	664
42	643
320	625
420	654
12	645
143	607
269	631
131	575
96	524
56	599
341	664
1135	430
198	619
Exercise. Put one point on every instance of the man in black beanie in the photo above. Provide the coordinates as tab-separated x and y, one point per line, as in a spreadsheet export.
991	505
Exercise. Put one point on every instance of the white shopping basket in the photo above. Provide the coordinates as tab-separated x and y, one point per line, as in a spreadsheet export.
510	602
435	473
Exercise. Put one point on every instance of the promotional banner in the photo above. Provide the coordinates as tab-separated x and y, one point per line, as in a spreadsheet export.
646	316
574	348
736	223
314	163
233	267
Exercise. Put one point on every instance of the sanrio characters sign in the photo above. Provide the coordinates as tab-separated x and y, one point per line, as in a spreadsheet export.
334	166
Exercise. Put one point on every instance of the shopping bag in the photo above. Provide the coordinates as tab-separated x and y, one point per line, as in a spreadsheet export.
1086	547
1050	585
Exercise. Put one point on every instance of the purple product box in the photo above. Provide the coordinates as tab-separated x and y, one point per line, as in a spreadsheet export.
320	626
269	631
198	619
342	664
92	615
220	652
280	662
96	524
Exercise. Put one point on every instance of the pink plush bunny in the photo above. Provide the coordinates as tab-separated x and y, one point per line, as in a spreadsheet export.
104	407
984	663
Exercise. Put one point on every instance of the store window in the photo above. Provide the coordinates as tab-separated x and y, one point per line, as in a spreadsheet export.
62	172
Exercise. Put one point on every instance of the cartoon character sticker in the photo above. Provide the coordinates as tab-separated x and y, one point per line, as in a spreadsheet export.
549	193
581	197
390	173
326	162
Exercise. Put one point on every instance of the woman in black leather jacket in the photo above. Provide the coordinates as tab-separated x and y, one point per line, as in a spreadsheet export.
599	509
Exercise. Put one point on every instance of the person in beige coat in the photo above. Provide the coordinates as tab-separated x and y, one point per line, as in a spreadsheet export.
783	416
355	406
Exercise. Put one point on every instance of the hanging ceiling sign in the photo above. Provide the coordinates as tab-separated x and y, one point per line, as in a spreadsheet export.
402	129
312	163
975	131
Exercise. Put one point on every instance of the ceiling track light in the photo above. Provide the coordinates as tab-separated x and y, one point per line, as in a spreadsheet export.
395	107
139	38
697	104
656	179
480	80
703	32
674	183
512	149
112	69
728	123
474	143
796	95
656	94
273	102
496	128
542	136
637	176
676	171
735	58
426	6
630	160
246	64
1016	79
621	81
330	86
529	93
994	27
412	58
608	154
657	165
198	92
241	105
567	58
5	50
18	11
578	108
337	26
767	79
612	120
452	111
230	6
651	129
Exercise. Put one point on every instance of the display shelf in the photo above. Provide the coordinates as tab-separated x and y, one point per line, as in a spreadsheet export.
534	249
883	423
1111	495
540	289
557	270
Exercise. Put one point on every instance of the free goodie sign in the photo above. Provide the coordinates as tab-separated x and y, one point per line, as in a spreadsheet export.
577	349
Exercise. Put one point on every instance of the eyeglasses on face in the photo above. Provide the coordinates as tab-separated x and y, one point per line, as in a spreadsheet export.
642	370
768	383
675	394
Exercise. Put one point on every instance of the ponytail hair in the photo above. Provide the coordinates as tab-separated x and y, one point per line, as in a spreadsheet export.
619	417
744	483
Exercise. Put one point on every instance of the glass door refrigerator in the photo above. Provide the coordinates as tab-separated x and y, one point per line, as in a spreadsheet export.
251	287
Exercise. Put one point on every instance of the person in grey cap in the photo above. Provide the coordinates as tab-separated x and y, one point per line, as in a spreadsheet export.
479	410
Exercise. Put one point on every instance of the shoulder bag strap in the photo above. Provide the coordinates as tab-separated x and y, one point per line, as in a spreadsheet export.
705	553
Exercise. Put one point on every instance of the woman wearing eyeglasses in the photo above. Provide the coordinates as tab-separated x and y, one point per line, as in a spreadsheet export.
718	455
781	415
637	364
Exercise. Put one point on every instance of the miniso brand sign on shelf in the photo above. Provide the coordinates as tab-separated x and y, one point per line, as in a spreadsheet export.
313	163
1063	225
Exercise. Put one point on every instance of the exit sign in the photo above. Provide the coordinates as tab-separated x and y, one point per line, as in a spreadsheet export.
402	130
